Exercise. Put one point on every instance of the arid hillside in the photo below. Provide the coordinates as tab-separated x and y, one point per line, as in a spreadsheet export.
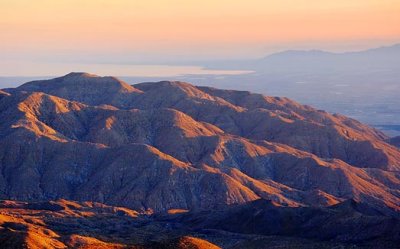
263	165
257	224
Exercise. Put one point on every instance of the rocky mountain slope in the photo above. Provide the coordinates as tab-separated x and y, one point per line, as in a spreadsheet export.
170	145
257	224
171	165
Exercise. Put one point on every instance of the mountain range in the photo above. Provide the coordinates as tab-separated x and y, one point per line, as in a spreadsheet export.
231	161
384	58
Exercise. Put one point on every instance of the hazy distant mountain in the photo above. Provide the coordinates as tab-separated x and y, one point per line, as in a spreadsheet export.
171	145
384	58
370	61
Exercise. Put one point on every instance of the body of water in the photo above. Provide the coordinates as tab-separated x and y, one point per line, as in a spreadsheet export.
33	71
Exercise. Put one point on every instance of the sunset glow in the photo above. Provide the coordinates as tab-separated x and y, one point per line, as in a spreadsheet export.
157	30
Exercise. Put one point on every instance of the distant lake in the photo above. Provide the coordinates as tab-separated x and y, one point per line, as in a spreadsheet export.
33	71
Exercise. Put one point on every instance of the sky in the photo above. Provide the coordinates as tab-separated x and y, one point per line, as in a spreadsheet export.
37	36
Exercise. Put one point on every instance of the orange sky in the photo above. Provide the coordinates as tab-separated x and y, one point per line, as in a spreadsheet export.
157	29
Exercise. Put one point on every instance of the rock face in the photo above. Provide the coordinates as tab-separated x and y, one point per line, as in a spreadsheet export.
172	145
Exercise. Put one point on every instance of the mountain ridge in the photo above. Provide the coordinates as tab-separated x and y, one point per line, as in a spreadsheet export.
174	145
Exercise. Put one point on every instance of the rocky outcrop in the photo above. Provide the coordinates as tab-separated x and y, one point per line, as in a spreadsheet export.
68	224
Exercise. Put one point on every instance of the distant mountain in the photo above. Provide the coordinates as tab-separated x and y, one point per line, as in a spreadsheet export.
384	58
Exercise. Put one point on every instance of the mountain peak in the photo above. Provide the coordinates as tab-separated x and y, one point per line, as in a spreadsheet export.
80	74
86	88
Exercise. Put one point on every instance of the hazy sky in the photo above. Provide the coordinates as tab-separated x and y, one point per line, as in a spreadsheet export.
155	31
